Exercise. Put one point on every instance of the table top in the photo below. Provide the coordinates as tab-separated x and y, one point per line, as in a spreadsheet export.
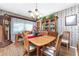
42	40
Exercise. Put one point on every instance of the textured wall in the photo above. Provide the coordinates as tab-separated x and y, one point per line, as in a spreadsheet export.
73	29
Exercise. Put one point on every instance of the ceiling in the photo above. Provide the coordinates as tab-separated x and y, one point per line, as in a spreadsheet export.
44	8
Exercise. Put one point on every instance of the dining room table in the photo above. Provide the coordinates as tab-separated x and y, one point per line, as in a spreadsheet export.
41	41
38	41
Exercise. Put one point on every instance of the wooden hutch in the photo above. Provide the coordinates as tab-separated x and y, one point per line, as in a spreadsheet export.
48	24
5	30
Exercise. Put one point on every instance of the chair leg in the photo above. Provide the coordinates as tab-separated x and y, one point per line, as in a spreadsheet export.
67	47
25	52
57	54
41	53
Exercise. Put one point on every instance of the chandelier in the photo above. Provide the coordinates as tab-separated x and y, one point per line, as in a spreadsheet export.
34	14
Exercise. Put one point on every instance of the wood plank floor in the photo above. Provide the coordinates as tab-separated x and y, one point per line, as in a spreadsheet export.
65	52
11	50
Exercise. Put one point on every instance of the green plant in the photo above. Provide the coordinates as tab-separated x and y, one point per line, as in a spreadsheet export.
51	17
44	17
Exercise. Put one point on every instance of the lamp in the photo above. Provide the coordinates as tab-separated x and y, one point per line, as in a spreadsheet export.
34	14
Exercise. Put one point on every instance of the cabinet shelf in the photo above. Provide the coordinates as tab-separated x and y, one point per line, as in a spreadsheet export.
50	24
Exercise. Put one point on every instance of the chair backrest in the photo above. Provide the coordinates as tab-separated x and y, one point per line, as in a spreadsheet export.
44	32
58	44
25	33
52	33
26	42
66	35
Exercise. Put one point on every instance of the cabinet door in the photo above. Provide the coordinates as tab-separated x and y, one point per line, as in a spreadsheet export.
1	20
1	33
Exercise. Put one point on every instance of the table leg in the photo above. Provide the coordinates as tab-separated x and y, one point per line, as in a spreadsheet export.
38	50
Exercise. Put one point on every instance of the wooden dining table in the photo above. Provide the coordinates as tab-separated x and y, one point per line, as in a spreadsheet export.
38	41
41	41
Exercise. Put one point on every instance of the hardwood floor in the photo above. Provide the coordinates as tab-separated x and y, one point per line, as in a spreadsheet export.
65	52
11	50
5	43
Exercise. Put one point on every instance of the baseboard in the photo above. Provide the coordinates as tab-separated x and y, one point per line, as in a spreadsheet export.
13	41
72	47
75	50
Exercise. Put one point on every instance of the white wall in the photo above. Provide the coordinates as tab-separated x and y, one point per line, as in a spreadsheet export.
74	30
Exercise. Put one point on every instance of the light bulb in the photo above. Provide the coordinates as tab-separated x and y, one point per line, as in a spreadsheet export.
36	13
32	15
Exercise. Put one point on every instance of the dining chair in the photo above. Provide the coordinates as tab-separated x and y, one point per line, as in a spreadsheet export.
66	39
50	33
28	47
55	34
18	39
44	33
52	50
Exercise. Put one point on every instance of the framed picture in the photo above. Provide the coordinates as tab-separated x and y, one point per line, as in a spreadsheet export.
71	20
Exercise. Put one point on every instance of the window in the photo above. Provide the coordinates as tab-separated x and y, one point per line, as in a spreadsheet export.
28	27
18	27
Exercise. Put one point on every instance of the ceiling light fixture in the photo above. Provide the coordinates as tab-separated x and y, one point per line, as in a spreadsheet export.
34	14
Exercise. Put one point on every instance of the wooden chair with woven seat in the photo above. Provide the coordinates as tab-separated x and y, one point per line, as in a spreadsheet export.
28	47
52	50
66	39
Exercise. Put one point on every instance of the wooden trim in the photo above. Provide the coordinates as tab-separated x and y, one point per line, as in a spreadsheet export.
78	48
20	17
10	29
